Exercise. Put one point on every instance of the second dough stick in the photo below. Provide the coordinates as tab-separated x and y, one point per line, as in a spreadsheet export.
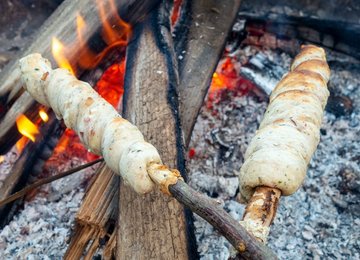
97	123
278	155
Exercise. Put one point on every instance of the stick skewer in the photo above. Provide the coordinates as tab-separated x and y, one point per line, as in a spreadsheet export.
260	212
209	210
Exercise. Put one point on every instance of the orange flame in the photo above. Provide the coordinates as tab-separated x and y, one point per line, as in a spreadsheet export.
21	143
115	33
119	30
87	58
58	52
26	127
43	115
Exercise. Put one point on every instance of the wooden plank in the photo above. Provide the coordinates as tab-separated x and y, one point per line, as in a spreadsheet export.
200	40
153	226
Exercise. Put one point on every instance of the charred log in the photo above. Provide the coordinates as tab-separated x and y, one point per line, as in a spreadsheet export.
200	40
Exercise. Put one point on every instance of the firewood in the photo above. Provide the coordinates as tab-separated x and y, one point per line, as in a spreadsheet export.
199	43
98	209
216	39
144	231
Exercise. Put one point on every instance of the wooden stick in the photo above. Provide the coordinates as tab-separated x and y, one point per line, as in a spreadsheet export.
260	212
41	182
208	209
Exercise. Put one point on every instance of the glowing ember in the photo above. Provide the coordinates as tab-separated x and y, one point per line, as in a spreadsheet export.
110	85
227	82
176	11
43	115
58	51
225	77
26	127
70	145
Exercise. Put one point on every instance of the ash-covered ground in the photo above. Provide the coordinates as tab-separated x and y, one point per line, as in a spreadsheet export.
41	229
321	220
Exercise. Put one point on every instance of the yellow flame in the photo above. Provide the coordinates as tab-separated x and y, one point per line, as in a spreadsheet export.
26	127
58	52
20	145
80	23
44	116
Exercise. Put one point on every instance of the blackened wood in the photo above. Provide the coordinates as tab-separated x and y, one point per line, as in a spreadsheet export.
153	226
208	209
200	40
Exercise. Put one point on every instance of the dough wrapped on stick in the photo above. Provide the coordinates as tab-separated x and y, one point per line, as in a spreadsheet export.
100	128
278	155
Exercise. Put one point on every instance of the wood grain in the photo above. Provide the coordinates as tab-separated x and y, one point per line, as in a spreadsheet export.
152	226
207	25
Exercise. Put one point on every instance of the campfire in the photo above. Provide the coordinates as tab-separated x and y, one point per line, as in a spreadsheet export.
191	105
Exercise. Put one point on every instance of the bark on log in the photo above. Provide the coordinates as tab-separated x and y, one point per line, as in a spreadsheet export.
153	226
62	24
200	40
261	211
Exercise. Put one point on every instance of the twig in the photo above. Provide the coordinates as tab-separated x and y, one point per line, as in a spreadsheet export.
22	192
208	209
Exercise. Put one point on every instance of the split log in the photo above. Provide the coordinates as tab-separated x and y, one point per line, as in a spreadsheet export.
153	226
200	40
94	218
62	24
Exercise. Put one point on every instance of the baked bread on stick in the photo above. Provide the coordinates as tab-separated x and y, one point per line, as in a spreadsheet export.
280	151
99	126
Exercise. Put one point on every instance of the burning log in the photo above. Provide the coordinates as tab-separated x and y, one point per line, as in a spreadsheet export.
277	157
62	24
